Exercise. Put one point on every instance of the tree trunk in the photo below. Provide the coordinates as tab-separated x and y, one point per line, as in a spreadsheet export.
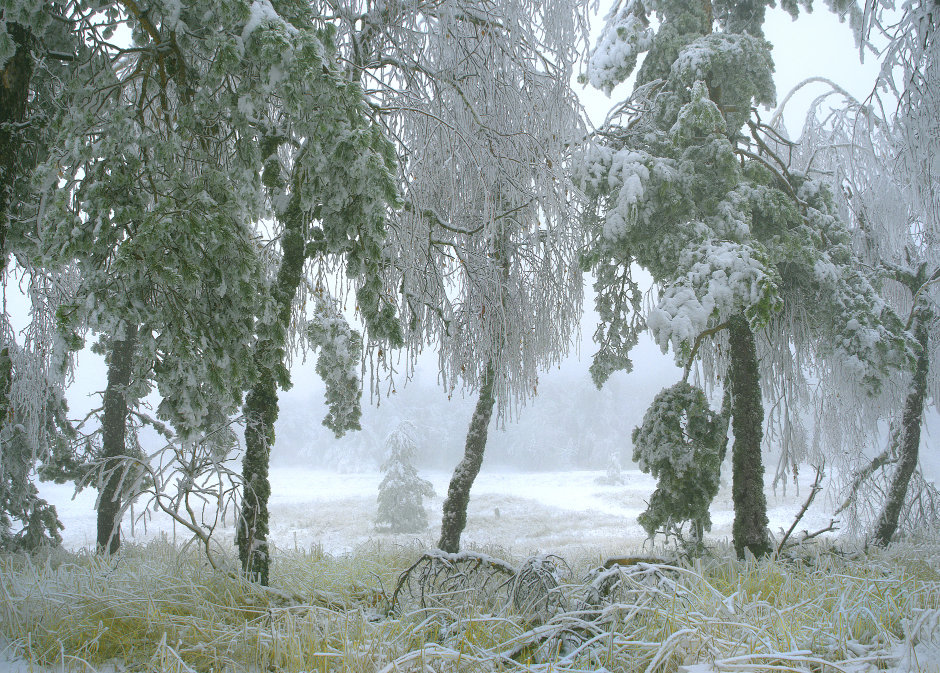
909	445
458	494
261	405
261	409
113	440
14	94
747	419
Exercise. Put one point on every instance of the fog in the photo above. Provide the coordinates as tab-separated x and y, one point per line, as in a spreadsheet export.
567	424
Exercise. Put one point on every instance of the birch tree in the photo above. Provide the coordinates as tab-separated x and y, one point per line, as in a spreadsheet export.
880	157
740	246
485	248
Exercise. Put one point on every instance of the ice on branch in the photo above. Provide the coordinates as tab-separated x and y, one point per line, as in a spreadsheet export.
682	443
340	354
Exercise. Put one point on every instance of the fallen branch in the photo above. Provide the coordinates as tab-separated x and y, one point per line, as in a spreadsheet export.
814	489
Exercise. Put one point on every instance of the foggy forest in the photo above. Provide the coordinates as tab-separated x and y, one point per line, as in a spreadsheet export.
470	335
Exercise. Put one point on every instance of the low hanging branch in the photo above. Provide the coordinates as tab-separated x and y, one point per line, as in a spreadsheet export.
439	578
698	342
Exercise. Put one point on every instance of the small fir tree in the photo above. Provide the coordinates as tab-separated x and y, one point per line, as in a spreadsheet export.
614	474
402	491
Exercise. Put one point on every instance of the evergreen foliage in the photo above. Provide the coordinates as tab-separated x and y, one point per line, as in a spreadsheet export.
614	474
402	491
684	183
682	443
36	47
328	172
340	353
163	160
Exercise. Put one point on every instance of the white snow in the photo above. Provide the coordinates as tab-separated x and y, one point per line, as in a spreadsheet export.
624	37
559	512
261	11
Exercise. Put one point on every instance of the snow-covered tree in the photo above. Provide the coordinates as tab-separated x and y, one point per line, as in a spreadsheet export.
35	39
484	251
38	50
880	157
402	491
26	520
146	196
329	173
167	158
613	476
740	247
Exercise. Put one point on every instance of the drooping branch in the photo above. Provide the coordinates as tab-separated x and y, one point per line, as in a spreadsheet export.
711	331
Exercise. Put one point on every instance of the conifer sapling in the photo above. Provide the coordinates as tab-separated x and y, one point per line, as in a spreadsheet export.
402	491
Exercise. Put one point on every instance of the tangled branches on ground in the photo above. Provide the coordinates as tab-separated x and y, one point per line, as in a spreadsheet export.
441	580
171	611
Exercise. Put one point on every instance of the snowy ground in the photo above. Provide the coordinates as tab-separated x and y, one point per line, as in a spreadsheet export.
511	513
568	513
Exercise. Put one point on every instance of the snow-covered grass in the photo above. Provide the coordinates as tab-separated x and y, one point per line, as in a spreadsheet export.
155	608
160	607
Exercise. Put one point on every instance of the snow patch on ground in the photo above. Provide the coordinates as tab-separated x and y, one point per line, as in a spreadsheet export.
566	513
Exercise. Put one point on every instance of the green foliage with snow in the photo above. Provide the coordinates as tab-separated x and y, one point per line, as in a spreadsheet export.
688	187
340	353
682	443
689	184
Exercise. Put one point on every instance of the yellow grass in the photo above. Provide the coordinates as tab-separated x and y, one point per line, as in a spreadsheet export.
157	608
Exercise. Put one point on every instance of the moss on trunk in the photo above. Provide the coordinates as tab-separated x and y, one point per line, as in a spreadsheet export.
14	96
261	404
887	523
113	439
261	409
747	418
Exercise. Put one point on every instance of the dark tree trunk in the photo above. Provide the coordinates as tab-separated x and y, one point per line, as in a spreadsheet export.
14	94
261	406
909	445
6	384
458	494
261	409
113	440
747	419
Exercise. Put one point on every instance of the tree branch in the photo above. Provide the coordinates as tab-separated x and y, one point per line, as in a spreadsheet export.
698	342
814	489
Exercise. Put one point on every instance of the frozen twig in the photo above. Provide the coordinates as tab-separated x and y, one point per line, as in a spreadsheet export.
814	489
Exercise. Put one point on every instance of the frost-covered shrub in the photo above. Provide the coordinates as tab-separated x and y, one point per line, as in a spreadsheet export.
402	491
682	443
614	474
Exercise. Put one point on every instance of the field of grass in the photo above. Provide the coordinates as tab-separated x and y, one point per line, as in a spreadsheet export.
158	608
